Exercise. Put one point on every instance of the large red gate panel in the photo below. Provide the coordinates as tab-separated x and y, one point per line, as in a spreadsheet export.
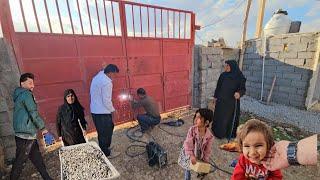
171	47
37	45
141	47
100	46
145	65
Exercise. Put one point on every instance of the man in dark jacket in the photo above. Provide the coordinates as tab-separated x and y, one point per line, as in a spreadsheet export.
26	123
152	115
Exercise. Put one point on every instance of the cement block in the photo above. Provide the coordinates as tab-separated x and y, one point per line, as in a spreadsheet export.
287	89
283	82
299	104
274	55
300	84
281	100
311	47
211	50
306	55
270	68
275	41
292	76
289	54
297	47
302	92
306	77
252	56
285	68
275	48
307	38
291	39
309	63
295	61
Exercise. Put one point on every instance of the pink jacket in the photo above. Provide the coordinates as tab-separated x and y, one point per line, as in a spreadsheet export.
192	137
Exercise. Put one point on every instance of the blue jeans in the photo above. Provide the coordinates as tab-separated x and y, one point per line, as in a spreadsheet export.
147	121
187	175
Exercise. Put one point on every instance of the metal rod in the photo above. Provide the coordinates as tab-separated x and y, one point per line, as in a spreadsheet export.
47	12
24	19
140	23
105	12
57	5
148	22
185	22
179	25
36	16
70	16
168	23
89	16
80	16
114	26
161	23
98	16
174	23
155	22
134	33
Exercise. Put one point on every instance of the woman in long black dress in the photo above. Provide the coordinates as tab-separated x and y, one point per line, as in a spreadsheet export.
230	87
68	128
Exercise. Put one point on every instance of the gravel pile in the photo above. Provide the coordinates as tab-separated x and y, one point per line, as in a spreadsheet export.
84	161
306	120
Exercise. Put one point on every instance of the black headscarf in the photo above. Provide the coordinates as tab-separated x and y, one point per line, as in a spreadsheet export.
76	106
235	70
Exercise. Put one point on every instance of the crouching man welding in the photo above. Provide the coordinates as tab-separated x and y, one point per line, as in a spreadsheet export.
152	115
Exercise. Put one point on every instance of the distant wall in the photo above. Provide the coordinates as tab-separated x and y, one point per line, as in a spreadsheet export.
289	57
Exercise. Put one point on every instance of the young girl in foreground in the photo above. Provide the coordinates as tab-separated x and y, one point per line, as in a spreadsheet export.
255	140
199	138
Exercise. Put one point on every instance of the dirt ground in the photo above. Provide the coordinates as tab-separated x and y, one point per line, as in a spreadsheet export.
137	168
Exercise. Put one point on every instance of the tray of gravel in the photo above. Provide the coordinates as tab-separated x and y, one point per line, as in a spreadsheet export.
85	161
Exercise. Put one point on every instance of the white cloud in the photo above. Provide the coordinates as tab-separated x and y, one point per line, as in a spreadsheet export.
314	11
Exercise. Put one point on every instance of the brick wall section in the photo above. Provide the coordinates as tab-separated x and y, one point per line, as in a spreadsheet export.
208	65
9	79
290	58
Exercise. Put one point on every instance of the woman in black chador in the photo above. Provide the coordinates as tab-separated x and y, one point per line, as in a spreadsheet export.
230	87
68	114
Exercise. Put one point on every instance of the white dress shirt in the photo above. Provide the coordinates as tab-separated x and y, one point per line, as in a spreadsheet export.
101	94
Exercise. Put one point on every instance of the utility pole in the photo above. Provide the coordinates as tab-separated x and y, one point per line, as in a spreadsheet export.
244	34
260	17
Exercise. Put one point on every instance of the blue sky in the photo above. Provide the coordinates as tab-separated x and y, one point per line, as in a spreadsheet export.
207	11
226	16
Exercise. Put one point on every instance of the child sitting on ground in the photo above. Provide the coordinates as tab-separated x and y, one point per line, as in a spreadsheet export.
255	141
199	138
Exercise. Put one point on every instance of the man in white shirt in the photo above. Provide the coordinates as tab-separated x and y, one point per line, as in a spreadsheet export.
101	106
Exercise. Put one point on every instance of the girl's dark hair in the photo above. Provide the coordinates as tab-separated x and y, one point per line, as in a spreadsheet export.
76	101
206	113
255	125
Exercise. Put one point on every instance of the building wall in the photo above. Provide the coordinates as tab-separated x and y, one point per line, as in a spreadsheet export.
290	58
9	79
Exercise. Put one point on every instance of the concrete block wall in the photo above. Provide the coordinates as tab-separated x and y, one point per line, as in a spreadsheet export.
9	79
289	57
208	65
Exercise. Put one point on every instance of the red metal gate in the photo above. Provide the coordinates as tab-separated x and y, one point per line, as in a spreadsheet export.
66	42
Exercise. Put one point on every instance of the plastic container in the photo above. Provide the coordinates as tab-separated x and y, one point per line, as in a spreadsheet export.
278	24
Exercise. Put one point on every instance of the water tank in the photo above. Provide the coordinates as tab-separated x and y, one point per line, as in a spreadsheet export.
278	24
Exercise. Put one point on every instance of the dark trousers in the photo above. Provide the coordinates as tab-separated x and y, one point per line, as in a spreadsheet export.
147	121
104	127
28	149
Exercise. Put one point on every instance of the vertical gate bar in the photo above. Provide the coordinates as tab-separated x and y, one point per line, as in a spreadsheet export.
179	25
79	12
59	16
155	22
105	12
168	23
89	16
140	23
114	26
185	22
161	24
148	22
36	16
47	12
70	16
174	24
134	33
24	19
98	16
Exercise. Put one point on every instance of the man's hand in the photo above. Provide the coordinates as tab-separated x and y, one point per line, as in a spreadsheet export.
237	95
277	158
193	160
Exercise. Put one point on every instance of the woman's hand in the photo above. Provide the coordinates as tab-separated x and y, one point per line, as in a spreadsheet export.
193	160
84	132
60	138
237	95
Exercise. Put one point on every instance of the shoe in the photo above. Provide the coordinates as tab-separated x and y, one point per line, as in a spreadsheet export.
113	154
